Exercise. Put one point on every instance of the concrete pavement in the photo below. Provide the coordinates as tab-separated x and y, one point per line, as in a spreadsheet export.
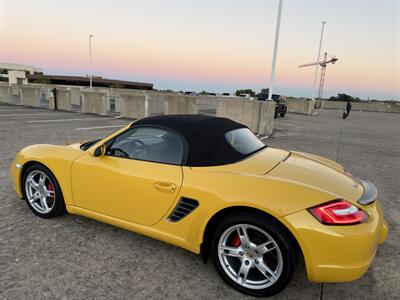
73	257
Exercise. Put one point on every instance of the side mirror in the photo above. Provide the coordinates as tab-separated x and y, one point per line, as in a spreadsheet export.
98	151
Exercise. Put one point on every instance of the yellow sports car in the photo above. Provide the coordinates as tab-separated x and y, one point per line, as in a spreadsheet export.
209	185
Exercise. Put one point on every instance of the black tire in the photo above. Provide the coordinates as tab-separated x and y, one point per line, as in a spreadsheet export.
58	207
283	113
288	249
276	114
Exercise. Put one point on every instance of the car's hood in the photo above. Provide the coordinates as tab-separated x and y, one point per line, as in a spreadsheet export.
318	173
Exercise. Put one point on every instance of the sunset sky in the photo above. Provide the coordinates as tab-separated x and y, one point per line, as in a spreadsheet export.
212	45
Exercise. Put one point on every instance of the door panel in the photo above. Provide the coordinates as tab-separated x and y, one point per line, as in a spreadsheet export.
132	190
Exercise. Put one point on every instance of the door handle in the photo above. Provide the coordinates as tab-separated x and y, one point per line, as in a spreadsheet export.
165	187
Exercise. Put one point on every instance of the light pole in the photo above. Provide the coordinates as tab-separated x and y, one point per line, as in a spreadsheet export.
317	65
90	60
278	24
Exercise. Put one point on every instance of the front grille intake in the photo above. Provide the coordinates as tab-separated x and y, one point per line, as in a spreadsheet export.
184	207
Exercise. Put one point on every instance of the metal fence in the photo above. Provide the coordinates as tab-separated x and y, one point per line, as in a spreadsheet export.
15	95
206	109
44	98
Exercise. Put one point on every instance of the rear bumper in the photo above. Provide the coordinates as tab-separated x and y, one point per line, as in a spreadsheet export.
338	253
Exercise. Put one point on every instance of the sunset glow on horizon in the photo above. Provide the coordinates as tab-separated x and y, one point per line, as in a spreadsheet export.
208	45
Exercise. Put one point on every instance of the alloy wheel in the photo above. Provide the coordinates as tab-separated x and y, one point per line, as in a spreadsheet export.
40	191
250	256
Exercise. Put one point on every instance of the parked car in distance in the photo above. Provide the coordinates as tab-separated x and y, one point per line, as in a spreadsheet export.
281	103
246	96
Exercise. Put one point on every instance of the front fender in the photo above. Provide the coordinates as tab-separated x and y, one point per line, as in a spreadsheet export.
58	159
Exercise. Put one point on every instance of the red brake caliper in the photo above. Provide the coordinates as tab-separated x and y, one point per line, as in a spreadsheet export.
236	241
50	187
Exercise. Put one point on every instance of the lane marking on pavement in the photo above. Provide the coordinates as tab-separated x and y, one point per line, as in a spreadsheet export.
264	137
25	115
21	110
100	127
67	120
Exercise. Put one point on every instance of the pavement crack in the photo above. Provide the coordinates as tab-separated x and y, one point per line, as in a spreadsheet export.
14	223
322	291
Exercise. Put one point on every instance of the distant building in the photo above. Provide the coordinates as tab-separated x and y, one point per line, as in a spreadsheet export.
24	74
17	74
84	81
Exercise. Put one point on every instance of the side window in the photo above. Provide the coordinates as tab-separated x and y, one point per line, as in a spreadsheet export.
149	144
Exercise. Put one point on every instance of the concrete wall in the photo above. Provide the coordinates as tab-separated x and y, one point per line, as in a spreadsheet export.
361	106
300	106
395	108
15	95
373	106
257	115
94	102
138	104
30	96
75	98
267	112
178	104
4	93
154	104
63	99
243	111
133	106
119	95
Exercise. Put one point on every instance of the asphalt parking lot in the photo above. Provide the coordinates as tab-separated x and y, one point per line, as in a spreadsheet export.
73	257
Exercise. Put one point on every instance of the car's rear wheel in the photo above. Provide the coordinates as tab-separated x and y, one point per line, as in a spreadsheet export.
253	255
42	192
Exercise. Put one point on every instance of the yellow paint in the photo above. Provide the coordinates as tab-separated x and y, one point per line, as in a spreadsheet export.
139	196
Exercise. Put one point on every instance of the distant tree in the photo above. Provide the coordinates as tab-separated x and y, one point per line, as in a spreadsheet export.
203	93
42	79
245	91
117	86
344	98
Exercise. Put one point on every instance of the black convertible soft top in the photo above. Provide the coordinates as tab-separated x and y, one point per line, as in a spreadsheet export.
204	135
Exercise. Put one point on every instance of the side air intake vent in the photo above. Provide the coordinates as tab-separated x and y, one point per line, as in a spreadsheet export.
185	206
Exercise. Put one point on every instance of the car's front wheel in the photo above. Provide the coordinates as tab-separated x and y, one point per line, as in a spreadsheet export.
253	255
42	192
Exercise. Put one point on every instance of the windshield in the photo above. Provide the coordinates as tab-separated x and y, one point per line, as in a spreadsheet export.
244	141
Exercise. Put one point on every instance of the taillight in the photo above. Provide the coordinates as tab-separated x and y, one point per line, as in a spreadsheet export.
338	212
